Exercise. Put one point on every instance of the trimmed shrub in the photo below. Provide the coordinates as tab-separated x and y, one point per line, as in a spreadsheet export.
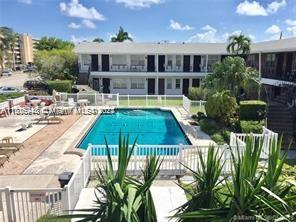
60	86
7	96
209	126
251	126
218	138
52	218
252	110
221	107
196	93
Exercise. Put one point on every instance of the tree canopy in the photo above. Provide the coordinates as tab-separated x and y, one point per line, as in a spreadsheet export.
232	74
56	64
239	44
98	40
121	36
50	43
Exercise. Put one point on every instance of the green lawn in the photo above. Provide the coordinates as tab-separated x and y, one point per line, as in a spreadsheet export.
141	101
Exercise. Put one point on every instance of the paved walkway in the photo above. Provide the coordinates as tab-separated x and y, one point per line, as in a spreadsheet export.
35	145
166	194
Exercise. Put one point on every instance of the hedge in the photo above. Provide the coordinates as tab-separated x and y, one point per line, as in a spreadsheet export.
52	218
7	96
251	126
252	110
196	93
60	86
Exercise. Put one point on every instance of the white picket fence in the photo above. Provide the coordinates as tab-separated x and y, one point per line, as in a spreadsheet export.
101	99
27	205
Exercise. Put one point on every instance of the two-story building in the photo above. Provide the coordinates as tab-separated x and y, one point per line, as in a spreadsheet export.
171	68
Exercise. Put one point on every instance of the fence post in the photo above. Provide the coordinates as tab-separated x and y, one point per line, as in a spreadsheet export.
180	157
66	199
146	100
135	157
165	98
103	99
128	102
117	99
199	105
9	205
95	99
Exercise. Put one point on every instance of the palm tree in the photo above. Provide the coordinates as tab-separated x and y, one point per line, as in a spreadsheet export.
239	44
98	40
10	38
121	36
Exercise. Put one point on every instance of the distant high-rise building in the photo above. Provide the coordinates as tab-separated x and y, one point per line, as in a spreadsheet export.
23	51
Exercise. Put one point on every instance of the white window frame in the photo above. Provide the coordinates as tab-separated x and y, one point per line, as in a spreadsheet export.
178	84
169	83
137	83
119	83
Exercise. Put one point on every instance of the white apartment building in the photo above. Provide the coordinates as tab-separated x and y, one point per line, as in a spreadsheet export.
171	68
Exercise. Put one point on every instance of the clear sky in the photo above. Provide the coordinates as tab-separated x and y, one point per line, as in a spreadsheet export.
151	20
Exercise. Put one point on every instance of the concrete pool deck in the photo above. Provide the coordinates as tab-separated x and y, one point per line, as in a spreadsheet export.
51	149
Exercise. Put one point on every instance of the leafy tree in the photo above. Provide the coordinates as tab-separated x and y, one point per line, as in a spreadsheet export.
50	43
121	36
232	74
98	40
56	64
222	107
239	44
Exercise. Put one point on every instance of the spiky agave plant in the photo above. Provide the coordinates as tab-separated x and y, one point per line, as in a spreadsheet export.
120	198
203	192
249	196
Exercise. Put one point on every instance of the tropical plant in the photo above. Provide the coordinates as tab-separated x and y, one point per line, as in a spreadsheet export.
221	107
204	191
120	197
239	44
50	43
232	74
8	39
253	192
197	93
98	40
121	36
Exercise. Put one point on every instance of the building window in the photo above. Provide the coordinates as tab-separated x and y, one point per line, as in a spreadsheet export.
178	83
212	59
138	60
169	83
270	60
178	61
170	61
137	84
118	60
85	60
119	84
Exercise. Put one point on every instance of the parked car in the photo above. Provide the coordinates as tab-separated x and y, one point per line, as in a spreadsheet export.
35	85
8	89
7	72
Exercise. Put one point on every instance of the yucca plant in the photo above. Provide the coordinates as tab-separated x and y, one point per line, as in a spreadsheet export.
204	191
121	198
251	192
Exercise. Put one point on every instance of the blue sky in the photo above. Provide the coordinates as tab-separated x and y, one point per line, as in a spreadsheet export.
151	20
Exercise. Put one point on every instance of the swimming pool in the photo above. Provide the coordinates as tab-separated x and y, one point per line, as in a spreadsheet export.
152	126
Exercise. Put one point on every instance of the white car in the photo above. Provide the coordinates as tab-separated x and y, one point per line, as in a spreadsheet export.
8	89
7	73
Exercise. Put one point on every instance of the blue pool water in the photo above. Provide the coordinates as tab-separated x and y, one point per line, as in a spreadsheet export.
152	126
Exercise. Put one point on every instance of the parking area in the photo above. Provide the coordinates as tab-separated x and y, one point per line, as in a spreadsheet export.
16	80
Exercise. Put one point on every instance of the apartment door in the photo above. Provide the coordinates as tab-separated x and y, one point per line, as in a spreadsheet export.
186	63
106	85
94	63
185	86
96	85
196	63
151	63
160	86
105	63
161	61
151	86
195	82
